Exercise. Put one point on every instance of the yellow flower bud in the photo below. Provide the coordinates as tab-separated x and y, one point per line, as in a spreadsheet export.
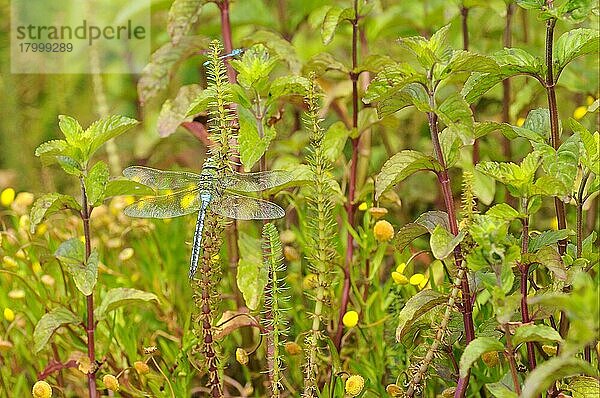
293	348
378	212
287	236
418	280
47	280
448	392
141	367
310	281
85	365
491	358
9	262
350	319
21	202
126	254
549	349
354	385
21	254
9	314
589	100
5	345
7	196
16	294
241	356
579	112
399	278
401	267
36	267
394	390
363	206
383	231
41	389
290	253
520	121
111	382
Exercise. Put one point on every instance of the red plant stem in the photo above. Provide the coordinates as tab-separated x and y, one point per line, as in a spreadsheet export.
587	351
464	12
351	185
226	34
524	268
444	180
510	356
90	326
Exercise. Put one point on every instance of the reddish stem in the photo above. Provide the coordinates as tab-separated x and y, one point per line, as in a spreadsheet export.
351	186
524	268
226	34
90	326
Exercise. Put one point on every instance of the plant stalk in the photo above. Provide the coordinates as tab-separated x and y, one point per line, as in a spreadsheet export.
524	268
510	356
90	326
351	185
226	34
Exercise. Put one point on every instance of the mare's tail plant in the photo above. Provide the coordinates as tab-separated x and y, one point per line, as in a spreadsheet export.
275	307
74	155
320	232
205	287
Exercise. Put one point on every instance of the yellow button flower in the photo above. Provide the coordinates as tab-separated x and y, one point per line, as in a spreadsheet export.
111	382
579	112
378	212
491	358
9	314
141	367
394	390
41	389
520	121
383	231
7	196
399	278
363	206
36	267
354	385
9	262
241	356
350	319
418	280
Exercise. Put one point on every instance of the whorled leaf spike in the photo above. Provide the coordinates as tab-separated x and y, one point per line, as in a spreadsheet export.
321	253
274	319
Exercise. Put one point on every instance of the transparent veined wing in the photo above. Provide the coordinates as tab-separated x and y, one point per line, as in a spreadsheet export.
161	179
254	182
166	206
245	208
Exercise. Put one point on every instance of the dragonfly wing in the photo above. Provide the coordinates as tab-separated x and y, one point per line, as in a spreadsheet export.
166	206
161	179
245	208
254	182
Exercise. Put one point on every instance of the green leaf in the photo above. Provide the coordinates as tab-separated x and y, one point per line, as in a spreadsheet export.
71	129
464	61
251	276
48	324
451	145
105	129
583	386
51	148
415	307
334	140
252	146
455	113
400	166
201	102
540	333
120	297
123	186
155	75
174	112
475	349
254	68
484	187
442	242
183	14
407	234
499	390
538	121
548	257
49	204
95	183
288	85
85	273
531	4
503	211
432	219
331	21
411	94
70	165
546	373
591	145
575	43
277	45
547	238
324	62
517	178
515	61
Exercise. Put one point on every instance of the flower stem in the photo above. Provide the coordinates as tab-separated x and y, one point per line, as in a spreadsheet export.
226	34
524	268
90	326
351	184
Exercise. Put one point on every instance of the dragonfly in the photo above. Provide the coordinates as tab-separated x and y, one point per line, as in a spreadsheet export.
220	190
234	53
